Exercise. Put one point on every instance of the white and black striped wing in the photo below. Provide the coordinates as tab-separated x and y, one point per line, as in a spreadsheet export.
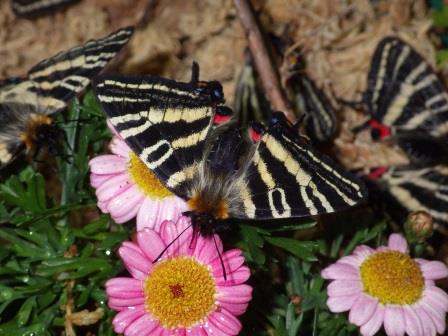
288	178
165	122
403	92
33	8
419	189
50	85
320	116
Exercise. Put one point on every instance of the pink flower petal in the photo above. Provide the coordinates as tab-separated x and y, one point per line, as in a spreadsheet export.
352	260
125	317
225	322
206	250
344	287
136	263
235	294
434	270
397	243
374	324
97	180
124	303
363	251
154	212
429	329
437	296
232	260
197	331
339	304
107	164
394	322
124	287
412	321
236	309
114	186
119	147
143	326
150	243
437	317
340	271
237	277
362	310
128	200
178	235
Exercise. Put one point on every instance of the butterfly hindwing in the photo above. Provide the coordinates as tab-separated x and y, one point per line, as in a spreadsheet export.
403	92
416	189
49	87
288	178
163	121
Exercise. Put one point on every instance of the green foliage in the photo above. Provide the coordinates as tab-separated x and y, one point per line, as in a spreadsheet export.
44	249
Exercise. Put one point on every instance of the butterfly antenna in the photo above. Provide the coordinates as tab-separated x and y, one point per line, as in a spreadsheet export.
194	73
220	259
171	243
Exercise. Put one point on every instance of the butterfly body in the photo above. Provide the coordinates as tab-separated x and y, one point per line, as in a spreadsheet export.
184	134
27	104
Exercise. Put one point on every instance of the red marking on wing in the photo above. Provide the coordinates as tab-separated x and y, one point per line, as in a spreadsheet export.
377	173
383	129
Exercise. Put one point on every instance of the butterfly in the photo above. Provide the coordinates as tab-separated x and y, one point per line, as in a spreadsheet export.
184	133
408	189
308	99
27	104
407	103
33	8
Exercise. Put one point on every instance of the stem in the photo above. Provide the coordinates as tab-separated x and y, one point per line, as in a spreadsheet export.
265	68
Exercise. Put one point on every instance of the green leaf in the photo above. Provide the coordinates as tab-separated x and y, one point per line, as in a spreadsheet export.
301	249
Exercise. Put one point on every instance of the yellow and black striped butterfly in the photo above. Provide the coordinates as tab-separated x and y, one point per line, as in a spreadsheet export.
407	102
408	189
181	131
26	104
33	8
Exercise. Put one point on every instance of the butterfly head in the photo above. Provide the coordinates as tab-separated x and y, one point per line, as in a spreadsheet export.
213	89
36	130
256	131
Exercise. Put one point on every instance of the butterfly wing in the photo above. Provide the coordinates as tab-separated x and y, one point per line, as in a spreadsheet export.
321	119
33	8
50	85
288	178
415	189
403	92
164	122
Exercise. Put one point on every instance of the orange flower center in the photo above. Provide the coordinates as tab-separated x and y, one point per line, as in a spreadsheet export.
392	277
180	292
145	179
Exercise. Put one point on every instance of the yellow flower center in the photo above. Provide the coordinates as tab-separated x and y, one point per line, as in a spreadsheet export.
392	277
180	292
145	179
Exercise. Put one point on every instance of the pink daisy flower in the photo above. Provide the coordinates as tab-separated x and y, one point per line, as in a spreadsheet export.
126	188
183	293
384	286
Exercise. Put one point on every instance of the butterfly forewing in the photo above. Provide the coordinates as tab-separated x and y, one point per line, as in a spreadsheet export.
50	85
403	92
164	122
288	178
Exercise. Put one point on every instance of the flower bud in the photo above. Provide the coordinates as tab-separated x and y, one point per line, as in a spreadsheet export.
419	225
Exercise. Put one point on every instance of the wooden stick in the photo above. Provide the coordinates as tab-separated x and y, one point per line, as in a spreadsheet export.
265	68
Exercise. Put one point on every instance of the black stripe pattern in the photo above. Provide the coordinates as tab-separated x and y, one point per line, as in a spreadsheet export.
49	87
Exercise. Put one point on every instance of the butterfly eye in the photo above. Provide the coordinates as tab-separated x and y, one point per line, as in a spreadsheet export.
223	114
216	91
277	118
256	131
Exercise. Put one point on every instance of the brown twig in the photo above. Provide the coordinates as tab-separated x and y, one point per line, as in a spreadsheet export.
263	63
